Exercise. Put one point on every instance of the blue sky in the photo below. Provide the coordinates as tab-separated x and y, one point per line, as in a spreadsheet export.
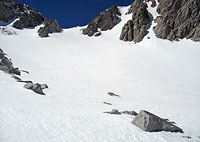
70	13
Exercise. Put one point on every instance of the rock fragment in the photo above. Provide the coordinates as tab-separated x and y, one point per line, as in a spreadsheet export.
152	123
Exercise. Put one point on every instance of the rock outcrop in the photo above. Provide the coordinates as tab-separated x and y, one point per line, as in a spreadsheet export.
179	19
152	123
6	64
136	29
24	16
104	21
27	16
37	88
50	26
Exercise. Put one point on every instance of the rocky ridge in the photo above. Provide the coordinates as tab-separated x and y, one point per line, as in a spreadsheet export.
24	16
136	29
50	26
104	21
179	19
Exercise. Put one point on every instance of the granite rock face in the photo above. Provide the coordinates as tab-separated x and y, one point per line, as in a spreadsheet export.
50	26
136	29
104	21
27	16
152	123
179	19
8	10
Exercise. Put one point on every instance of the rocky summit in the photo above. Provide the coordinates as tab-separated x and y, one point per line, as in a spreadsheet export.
27	16
24	16
104	21
178	19
50	26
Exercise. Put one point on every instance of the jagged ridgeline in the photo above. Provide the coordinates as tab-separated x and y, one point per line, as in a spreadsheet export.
24	16
104	21
179	19
136	29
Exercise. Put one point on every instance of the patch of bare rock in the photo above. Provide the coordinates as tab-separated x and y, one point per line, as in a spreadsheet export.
178	19
104	21
136	29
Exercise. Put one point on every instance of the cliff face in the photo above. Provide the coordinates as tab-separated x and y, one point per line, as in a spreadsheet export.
104	21
179	19
136	29
27	16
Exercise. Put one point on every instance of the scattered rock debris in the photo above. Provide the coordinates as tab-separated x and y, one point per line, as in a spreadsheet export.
187	137
107	103
114	111
112	94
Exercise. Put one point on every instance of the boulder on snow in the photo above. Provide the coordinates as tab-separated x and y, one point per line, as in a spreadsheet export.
50	26
107	103
114	111
37	88
152	123
112	94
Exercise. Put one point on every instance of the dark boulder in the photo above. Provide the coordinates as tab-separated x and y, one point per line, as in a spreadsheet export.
152	123
104	21
112	94
50	26
178	19
136	29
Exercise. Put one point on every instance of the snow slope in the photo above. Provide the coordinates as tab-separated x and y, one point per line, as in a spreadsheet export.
156	75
